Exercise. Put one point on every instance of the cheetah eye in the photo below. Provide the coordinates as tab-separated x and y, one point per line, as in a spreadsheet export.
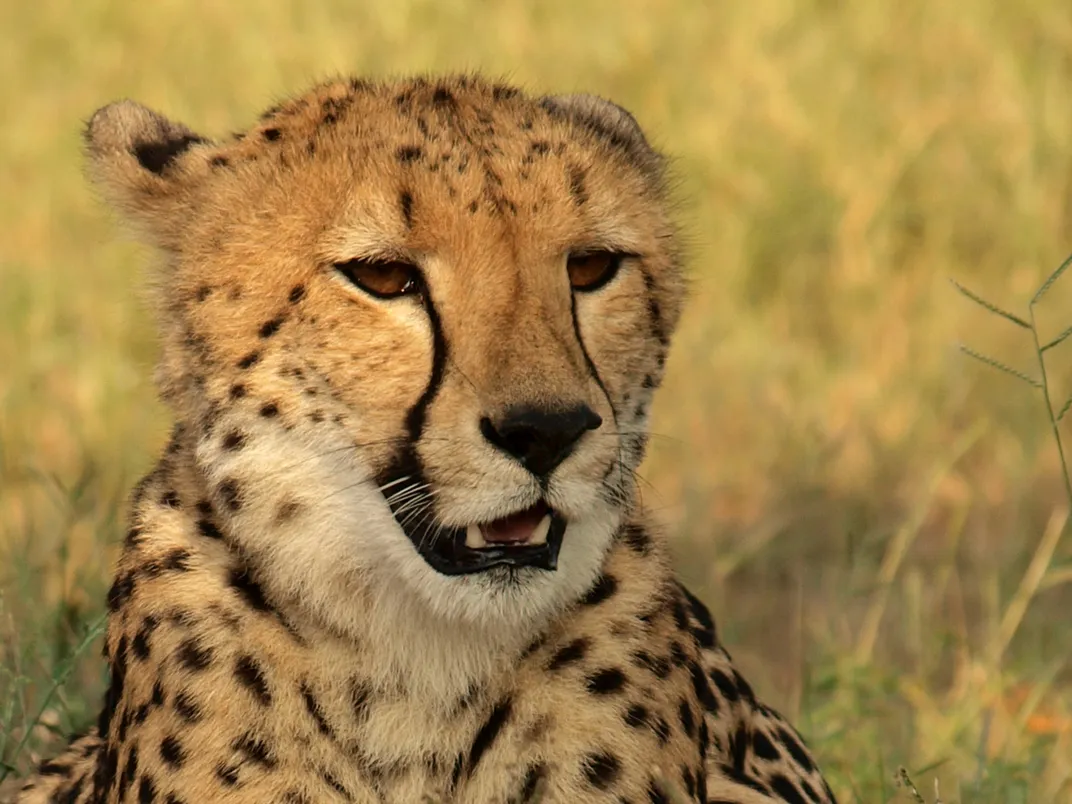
384	280
592	270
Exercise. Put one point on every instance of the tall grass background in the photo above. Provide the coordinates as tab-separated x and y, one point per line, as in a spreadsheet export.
876	518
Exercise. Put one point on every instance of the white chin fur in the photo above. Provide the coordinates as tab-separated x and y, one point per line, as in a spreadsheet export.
346	559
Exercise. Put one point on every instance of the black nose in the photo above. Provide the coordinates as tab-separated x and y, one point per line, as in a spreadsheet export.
539	438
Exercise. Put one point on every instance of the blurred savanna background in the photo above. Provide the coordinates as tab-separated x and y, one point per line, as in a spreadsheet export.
877	519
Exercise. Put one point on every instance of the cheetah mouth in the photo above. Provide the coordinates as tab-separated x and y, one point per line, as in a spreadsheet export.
528	538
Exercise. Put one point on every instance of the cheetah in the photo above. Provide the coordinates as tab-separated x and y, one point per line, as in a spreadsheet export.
393	551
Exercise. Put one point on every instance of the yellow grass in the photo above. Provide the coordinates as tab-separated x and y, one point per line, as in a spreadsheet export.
865	507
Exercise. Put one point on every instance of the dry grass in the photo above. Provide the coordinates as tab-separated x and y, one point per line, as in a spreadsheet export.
875	517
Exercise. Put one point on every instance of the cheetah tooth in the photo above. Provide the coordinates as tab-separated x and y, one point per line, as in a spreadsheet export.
474	537
539	535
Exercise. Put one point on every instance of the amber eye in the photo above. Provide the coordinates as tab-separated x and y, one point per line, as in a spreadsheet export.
592	270
385	280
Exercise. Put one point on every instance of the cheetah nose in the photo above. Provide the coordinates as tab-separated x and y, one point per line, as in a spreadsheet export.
540	438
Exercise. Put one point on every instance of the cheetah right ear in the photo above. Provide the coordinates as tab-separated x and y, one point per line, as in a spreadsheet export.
141	163
609	121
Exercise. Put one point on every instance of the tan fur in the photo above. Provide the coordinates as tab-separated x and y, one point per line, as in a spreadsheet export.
274	635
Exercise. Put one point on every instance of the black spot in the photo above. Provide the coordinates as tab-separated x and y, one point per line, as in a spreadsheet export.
297	293
604	587
229	491
228	774
203	293
170	499
171	752
763	747
500	92
601	770
238	390
678	655
157	156
234	440
540	147
637	716
244	583
473	205
405	203
313	707
725	685
637	539
532	779
689	781
688	720
251	676
702	689
576	186
194	656
248	361
271	134
146	791
569	654
796	749
785	789
186	707
219	161
130	770
606	681
662	730
360	692
659	665
408	153
208	529
158	693
140	643
488	732
656	794
271	327
121	590
269	410
681	617
442	97
255	749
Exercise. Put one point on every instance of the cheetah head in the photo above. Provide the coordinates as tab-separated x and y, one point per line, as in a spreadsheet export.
413	330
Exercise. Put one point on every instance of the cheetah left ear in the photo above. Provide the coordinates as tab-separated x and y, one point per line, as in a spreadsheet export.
608	121
141	162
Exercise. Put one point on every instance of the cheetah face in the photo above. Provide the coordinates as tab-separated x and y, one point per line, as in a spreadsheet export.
416	327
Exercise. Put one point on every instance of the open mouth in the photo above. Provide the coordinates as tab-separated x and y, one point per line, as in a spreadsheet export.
528	538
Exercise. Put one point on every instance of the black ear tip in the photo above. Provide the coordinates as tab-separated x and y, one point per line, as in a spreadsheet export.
155	156
128	127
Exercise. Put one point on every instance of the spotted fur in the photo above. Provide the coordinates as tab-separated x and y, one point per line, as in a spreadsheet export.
273	635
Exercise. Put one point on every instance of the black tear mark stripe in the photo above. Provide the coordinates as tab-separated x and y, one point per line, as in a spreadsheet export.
418	413
592	370
658	326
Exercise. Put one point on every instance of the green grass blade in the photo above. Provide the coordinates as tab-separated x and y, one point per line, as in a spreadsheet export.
1052	278
991	307
1000	366
1064	410
1057	340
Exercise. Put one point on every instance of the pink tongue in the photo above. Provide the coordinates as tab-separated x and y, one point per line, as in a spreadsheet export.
516	528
